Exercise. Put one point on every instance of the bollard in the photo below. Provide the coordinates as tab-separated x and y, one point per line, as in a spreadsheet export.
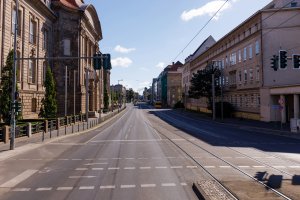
46	123
29	130
6	133
51	126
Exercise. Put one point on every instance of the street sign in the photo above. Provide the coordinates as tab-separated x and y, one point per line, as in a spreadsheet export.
281	101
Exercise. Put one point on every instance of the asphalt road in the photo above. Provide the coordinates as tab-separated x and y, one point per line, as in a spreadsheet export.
155	154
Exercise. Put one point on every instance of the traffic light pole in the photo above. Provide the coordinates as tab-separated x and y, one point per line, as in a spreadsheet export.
13	93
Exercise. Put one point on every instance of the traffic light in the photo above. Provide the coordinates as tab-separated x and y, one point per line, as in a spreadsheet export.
97	61
274	62
296	61
106	62
282	59
17	106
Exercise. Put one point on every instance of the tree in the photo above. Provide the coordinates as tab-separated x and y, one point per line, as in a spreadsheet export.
201	84
49	104
129	95
6	87
106	97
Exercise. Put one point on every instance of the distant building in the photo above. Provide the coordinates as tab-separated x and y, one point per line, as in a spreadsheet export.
244	55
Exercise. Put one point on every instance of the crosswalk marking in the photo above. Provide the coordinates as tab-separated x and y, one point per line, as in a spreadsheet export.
64	188
128	186
21	189
81	169
44	189
176	167
86	187
107	187
168	184
148	185
145	167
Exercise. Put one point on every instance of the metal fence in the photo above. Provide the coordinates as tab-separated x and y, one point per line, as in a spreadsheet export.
21	130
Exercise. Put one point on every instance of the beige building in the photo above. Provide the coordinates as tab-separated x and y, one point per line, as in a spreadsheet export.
59	29
244	55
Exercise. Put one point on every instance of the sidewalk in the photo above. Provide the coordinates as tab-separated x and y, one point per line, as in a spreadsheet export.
274	128
77	128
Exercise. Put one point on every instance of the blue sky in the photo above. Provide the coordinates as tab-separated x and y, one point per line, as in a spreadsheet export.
144	36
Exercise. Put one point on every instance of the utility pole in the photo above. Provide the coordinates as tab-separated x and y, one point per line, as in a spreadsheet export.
13	93
66	90
87	94
74	92
213	95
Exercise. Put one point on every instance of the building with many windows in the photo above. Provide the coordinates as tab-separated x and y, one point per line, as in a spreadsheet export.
244	56
65	30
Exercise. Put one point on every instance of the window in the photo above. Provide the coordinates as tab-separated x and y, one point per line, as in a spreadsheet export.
233	59
257	73
240	76
251	74
294	4
250	51
245	53
32	32
31	71
67	47
240	56
33	105
257	50
14	22
45	39
245	75
227	80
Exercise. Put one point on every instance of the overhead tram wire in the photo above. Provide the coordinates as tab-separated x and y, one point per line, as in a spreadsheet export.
201	30
284	6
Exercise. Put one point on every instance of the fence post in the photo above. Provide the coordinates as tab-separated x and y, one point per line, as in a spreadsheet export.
57	126
29	130
46	123
6	134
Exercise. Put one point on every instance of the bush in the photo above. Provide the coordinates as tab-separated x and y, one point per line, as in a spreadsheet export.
179	104
228	109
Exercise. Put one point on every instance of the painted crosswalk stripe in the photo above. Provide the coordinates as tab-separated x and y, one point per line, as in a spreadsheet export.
226	166
209	167
279	167
176	167
76	159
44	189
64	188
107	187
148	185
259	166
168	184
243	166
183	184
18	179
113	168
97	169
294	167
86	187
21	189
128	186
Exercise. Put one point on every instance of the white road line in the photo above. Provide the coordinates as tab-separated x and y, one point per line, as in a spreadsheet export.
168	184
75	177
176	167
148	185
270	157
89	159
81	169
97	169
156	158
129	167
178	139
183	184
279	167
259	166
44	189
64	188
243	166
86	187
128	186
240	157
227	166
129	158
145	167
107	187
63	159
113	168
89	164
226	157
294	167
18	179
191	167
76	159
102	159
116	158
142	158
37	159
21	189
24	159
209	166
161	167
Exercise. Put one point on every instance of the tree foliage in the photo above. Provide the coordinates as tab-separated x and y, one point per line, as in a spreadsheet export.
129	95
49	104
201	84
106	97
6	87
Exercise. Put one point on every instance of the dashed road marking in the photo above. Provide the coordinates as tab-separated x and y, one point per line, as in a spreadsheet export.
86	187
209	167
113	168
183	184
89	164
148	185
127	186
145	167
259	166
97	169
191	167
168	184
176	167
64	188
294	167
44	189
81	169
161	167
76	159
18	179
129	168
243	166
107	187
21	189
76	177
226	166
279	167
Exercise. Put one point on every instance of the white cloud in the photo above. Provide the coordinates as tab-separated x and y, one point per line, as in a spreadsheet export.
208	9
121	49
160	65
121	62
144	69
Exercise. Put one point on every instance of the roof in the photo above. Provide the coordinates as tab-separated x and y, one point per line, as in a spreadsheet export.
73	4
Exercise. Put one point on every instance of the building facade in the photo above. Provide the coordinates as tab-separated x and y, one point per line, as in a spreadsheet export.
64	31
244	57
